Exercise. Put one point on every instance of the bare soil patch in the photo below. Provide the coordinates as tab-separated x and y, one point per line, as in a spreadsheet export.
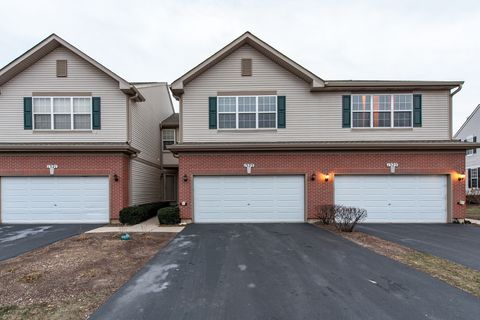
452	273
71	278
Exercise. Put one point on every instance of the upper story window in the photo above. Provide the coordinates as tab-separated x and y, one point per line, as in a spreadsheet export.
382	111
62	113
471	139
168	137
247	112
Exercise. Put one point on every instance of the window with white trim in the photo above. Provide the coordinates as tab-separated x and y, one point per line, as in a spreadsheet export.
62	113
382	111
168	138
247	112
470	139
474	178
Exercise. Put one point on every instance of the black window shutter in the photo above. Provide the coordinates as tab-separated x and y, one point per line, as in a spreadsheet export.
96	110
417	110
346	111
27	113
281	113
469	177
475	140
212	112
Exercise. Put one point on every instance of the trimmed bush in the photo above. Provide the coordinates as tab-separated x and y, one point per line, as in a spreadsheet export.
326	213
139	213
346	218
169	215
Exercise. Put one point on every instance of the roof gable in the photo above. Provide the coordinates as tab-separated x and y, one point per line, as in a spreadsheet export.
46	46
261	46
470	118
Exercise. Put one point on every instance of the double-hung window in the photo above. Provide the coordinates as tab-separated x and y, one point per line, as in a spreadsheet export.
62	113
382	111
168	137
473	178
471	139
247	112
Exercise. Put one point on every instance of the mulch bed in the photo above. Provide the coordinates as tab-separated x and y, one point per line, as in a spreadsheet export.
71	278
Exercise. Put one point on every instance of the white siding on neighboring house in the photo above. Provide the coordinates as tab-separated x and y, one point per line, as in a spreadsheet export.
309	116
471	129
82	77
145	183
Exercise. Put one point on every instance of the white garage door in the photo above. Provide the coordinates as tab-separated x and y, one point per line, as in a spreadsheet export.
55	200
395	198
249	199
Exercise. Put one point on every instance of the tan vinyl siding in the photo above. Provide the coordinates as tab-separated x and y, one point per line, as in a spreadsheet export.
310	116
145	183
82	77
146	118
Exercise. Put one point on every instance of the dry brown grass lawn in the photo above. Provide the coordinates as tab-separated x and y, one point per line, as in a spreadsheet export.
473	212
71	278
452	273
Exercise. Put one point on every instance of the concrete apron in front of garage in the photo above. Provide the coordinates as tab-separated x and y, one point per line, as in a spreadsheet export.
150	225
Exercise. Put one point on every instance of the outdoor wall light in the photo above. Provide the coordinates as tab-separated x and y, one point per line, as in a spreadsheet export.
461	176
115	177
326	177
185	178
313	177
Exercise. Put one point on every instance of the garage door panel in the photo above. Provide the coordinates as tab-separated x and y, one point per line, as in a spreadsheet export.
249	199
395	198
55	199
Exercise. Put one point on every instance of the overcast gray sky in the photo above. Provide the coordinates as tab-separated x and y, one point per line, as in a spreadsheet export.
161	40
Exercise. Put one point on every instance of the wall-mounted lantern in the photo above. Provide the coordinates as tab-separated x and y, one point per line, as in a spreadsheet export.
326	177
185	178
115	177
461	176
313	177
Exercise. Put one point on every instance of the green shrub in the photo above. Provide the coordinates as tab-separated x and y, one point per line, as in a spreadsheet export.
139	213
169	215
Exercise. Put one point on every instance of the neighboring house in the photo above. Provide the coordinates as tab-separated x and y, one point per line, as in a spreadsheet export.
77	142
262	139
169	133
469	131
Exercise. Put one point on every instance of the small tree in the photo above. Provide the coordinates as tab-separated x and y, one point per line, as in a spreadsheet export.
346	218
326	213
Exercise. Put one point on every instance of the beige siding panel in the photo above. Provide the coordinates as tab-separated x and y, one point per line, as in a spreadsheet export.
310	116
146	118
82	77
169	159
145	183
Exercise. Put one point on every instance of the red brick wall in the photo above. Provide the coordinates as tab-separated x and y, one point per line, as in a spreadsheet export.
73	165
321	192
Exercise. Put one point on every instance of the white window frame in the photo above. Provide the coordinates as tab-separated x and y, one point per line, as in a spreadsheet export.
52	113
472	176
469	151
237	113
392	110
163	138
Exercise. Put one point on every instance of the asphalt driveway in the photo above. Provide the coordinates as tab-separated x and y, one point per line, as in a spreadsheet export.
16	239
456	242
280	271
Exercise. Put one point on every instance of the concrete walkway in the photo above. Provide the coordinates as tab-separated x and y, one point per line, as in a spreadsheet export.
150	225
